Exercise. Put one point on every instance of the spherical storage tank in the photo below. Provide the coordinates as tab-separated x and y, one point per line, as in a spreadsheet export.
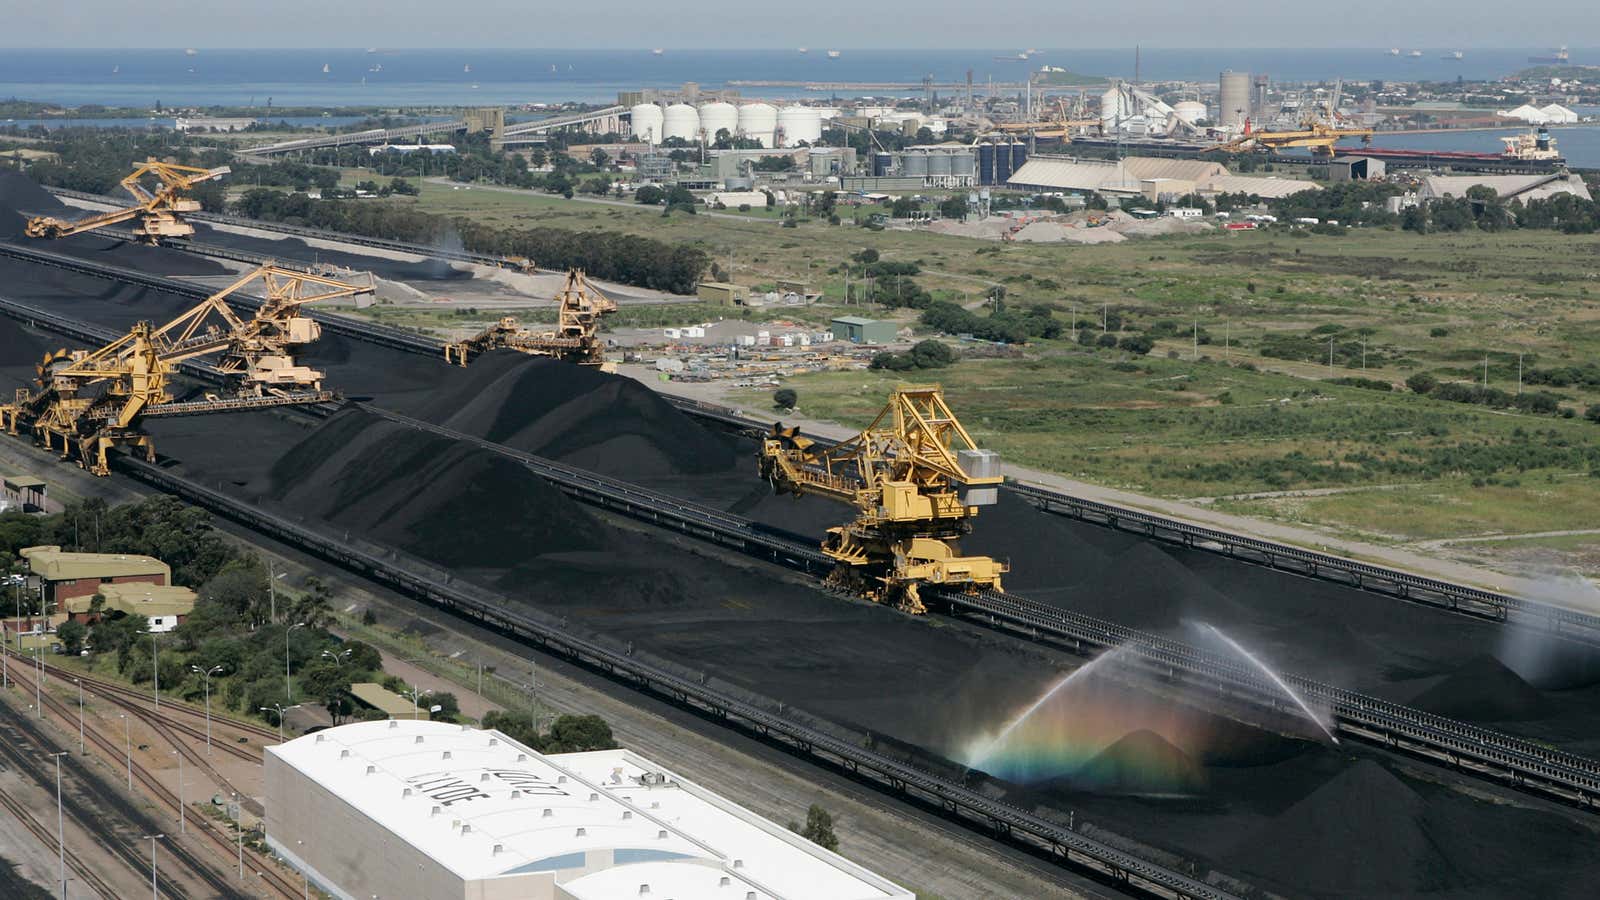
1190	111
719	116
680	121
800	123
758	120
646	122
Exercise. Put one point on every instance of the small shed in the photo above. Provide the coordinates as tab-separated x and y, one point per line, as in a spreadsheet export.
858	330
1356	168
723	293
372	695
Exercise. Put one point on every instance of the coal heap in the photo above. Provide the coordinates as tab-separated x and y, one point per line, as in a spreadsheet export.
575	414
1140	762
1483	690
448	503
20	200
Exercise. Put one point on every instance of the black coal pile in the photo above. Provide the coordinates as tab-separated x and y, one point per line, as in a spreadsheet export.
1140	762
292	248
600	422
20	350
21	199
449	503
1483	690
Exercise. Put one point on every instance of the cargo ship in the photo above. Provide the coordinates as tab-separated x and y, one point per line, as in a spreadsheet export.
1533	151
1560	58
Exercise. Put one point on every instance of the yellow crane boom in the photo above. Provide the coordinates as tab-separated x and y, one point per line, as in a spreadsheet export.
92	400
575	337
156	206
916	479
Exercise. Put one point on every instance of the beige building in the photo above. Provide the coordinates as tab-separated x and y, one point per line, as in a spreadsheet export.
165	606
64	575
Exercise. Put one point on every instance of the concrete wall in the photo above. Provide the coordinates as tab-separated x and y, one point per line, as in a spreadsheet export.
353	857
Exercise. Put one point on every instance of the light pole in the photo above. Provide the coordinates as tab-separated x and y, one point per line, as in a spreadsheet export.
239	827
288	689
61	844
280	709
205	675
80	715
38	680
416	693
127	741
183	824
155	669
272	590
155	893
305	890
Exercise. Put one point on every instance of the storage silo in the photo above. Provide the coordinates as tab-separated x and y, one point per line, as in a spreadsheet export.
881	163
646	119
963	163
800	123
719	116
1002	164
1190	111
680	121
939	164
986	163
1234	106
758	121
914	164
1019	155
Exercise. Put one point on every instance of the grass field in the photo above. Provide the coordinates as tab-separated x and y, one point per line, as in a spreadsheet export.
1209	426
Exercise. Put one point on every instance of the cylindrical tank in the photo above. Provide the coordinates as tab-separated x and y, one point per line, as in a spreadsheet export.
1234	107
680	121
986	163
1002	164
1019	155
800	123
881	163
1190	111
963	163
939	164
914	164
646	122
719	116
758	120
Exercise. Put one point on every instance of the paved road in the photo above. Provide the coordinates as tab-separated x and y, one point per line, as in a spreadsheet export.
599	201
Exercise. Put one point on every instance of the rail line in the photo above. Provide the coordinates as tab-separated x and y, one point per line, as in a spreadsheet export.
45	836
167	797
124	809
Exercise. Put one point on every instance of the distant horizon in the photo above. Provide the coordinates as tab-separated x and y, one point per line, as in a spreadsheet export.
1098	47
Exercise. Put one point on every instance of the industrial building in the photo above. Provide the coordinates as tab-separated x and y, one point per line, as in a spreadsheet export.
164	606
934	165
1508	187
64	575
1146	176
403	808
858	330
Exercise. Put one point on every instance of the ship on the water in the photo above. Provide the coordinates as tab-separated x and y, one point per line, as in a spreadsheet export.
1560	58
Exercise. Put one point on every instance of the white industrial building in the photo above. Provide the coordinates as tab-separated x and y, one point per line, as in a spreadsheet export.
412	809
1507	187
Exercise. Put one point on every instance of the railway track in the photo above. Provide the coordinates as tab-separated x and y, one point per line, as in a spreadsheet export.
18	732
46	836
152	787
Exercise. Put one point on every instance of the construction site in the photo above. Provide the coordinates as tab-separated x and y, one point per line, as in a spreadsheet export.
1156	708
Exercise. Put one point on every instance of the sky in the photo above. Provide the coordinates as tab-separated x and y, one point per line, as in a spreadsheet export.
766	23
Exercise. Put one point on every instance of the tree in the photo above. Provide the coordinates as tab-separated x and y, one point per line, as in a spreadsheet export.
903	208
1422	383
785	398
931	354
599	157
649	195
818	828
1592	413
241	590
953	208
71	634
1137	343
579	734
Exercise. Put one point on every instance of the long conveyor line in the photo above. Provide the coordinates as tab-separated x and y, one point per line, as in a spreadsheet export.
1473	749
1572	624
989	815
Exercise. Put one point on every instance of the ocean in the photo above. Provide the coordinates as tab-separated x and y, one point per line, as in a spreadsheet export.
390	78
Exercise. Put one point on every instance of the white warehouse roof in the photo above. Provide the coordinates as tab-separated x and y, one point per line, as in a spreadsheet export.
605	823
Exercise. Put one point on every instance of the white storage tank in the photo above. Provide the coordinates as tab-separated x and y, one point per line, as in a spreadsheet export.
758	121
939	164
800	123
680	121
719	116
1190	111
646	123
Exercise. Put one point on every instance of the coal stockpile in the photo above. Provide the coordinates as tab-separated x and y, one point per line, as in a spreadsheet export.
293	248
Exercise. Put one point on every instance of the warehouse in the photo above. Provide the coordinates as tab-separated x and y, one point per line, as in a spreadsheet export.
858	330
401	808
164	607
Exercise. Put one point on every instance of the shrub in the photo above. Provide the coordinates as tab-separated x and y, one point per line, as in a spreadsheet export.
1422	383
785	398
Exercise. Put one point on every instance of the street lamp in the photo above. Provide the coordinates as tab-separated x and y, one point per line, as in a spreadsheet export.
206	674
338	658
272	589
61	844
288	689
155	893
280	709
415	694
305	890
183	824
